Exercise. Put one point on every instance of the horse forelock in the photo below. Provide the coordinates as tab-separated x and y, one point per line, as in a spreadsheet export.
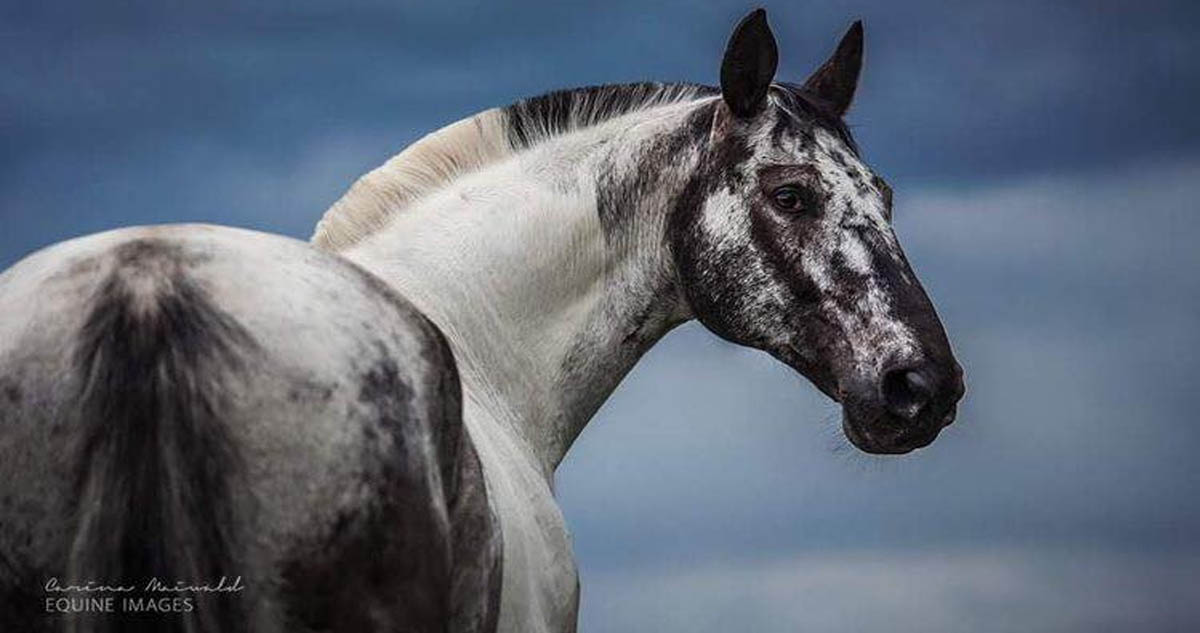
800	106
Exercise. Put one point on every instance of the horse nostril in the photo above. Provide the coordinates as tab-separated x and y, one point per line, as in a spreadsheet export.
906	392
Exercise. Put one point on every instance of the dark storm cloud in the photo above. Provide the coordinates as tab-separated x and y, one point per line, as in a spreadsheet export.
963	91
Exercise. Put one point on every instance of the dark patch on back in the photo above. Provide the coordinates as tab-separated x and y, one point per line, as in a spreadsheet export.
155	461
476	540
12	393
148	252
385	564
311	391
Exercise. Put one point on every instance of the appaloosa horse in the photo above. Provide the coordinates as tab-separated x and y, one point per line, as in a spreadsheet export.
363	431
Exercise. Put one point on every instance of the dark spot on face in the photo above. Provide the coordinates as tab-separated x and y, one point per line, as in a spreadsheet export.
709	284
787	127
813	113
714	280
717	164
847	284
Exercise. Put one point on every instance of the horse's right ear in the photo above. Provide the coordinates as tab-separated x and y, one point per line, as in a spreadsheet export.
749	65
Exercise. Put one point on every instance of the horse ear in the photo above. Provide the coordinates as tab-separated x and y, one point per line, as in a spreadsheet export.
835	81
749	65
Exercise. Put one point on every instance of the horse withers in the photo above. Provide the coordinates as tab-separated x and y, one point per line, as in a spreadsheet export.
364	430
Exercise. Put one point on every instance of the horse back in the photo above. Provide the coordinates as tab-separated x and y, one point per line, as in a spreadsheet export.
190	403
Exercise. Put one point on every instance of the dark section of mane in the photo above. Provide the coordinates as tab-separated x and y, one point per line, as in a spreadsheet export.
533	119
553	113
155	459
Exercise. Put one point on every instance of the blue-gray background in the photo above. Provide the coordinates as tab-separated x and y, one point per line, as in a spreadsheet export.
1046	158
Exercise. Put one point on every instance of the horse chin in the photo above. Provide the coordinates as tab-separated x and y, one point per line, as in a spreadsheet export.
882	436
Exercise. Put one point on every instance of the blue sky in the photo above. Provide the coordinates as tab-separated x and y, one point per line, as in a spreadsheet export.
1046	162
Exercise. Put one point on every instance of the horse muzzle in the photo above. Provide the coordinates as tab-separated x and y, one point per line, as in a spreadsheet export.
902	409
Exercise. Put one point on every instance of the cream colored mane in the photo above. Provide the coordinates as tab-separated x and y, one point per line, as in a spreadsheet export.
421	168
475	142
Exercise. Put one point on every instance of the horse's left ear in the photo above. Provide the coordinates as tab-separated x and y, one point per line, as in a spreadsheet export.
749	65
835	81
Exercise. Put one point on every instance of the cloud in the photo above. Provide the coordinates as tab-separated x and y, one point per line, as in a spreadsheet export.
1136	219
989	89
177	178
1001	590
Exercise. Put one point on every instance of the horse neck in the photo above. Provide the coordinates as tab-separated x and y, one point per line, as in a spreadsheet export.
547	272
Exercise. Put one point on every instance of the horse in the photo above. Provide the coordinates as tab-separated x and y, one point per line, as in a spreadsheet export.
360	432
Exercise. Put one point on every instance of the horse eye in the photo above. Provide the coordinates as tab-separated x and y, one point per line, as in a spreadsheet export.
788	198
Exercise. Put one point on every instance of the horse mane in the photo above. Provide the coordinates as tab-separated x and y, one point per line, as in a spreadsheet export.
477	141
492	135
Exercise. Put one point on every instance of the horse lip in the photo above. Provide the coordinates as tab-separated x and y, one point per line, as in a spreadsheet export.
865	442
896	443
